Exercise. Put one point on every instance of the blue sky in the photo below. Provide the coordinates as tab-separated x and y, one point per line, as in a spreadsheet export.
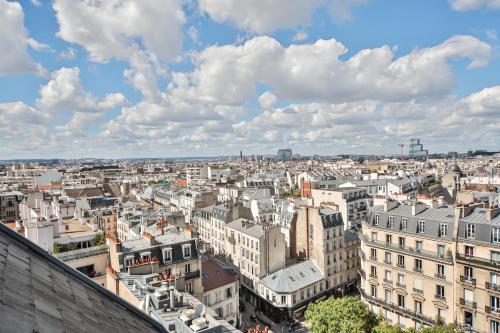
126	78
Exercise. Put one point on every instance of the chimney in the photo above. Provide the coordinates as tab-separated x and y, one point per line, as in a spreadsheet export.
172	297
389	204
492	212
149	237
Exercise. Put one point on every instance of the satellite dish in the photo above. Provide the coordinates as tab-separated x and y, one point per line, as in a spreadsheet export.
199	310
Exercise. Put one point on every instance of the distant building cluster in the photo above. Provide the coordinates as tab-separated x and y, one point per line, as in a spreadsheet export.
226	245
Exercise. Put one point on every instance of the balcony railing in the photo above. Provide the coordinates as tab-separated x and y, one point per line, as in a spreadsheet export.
492	286
387	280
402	285
418	291
440	297
191	275
398	309
82	253
467	303
439	276
409	250
492	310
478	261
467	280
417	269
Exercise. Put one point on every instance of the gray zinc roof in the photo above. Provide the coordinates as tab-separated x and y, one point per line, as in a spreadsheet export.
39	293
293	278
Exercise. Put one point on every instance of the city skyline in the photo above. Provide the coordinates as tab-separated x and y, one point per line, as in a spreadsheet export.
207	78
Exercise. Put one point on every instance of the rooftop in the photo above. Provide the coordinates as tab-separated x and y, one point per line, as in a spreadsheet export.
293	278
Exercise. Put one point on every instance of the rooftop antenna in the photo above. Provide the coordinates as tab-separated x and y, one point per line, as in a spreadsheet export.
199	310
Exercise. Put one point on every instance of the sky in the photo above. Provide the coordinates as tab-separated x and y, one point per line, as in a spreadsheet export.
174	78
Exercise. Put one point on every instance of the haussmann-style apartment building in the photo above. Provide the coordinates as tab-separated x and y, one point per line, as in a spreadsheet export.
421	265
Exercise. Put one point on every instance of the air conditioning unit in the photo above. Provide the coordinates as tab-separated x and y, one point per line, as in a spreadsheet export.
199	324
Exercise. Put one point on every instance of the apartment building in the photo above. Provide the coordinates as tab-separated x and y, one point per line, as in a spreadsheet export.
212	221
220	290
9	206
167	253
319	235
256	250
351	202
407	269
477	267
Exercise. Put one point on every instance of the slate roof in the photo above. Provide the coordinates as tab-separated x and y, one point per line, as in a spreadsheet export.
293	278
39	293
215	276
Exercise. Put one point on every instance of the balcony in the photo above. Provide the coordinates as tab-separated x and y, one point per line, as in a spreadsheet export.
388	262
401	265
409	250
440	297
418	291
401	285
467	280
393	307
82	253
373	276
191	275
231	240
387	281
374	258
468	304
468	259
492	286
440	276
417	269
492	311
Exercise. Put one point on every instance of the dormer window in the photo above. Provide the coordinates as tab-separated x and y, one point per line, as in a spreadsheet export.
146	255
390	224
167	254
377	218
129	261
186	250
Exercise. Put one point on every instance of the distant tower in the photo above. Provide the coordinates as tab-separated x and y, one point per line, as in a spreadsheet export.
241	156
417	151
402	145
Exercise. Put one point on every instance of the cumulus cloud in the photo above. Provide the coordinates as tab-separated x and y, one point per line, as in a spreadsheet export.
145	33
267	100
230	73
466	5
14	41
300	36
261	16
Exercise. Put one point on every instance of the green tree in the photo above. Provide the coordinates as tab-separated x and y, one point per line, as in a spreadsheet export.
99	239
385	327
451	328
57	248
341	315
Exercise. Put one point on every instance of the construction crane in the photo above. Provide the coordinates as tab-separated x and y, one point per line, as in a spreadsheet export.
401	146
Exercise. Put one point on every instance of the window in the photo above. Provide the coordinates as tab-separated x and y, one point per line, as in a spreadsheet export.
401	301
373	271
417	285
468	295
440	250
129	261
443	230
404	223
401	261
401	242
377	218
373	254
401	280
388	296
418	245
494	279
388	276
469	251
388	239
495	235
373	290
167	254
421	226
189	287
470	231
440	270
495	302
418	307
388	258
418	265
495	326
146	255
495	257
374	236
390	222
187	268
439	291
468	273
186	250
283	299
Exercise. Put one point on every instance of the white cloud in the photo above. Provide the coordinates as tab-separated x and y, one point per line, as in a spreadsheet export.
229	74
193	34
145	33
485	102
300	36
37	46
68	54
267	100
14	41
466	5
341	9
261	16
